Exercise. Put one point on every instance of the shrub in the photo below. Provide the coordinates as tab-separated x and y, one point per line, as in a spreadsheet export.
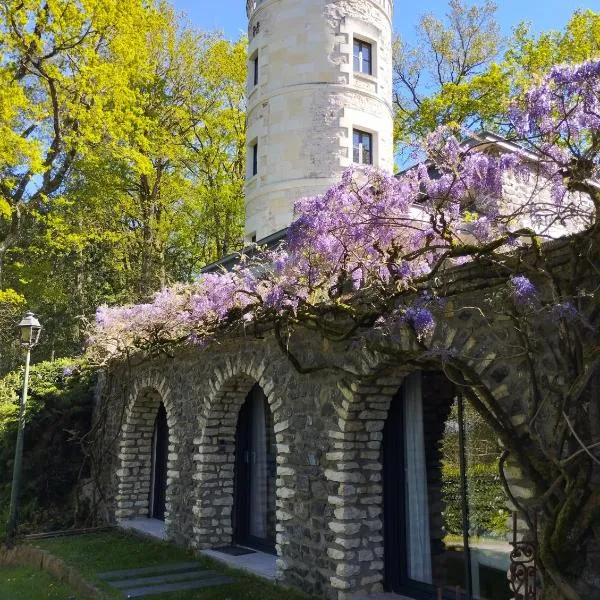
59	410
486	500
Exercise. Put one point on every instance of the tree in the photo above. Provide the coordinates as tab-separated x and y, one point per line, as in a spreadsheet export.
450	76
382	256
529	56
65	75
456	76
173	201
123	156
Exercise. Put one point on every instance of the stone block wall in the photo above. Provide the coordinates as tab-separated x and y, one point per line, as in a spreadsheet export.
308	99
328	427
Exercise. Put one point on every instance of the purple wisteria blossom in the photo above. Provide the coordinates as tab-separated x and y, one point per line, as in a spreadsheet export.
375	232
421	320
565	311
524	292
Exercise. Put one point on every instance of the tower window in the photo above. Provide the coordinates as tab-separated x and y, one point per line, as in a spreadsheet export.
255	159
255	69
362	57
362	147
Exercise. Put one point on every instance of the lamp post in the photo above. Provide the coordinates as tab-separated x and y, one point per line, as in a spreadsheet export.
30	334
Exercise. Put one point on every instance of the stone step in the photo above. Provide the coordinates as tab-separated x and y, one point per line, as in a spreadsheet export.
168	578
156	590
156	570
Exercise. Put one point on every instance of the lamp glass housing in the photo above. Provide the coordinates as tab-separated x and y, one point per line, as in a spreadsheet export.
30	330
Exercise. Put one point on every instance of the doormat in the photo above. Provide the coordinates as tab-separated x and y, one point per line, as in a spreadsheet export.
234	550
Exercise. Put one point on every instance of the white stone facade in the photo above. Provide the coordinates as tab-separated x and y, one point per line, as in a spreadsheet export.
307	100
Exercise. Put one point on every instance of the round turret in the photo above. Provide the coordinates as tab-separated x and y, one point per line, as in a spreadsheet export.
319	99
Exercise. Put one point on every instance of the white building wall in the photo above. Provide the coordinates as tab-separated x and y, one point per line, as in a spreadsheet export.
308	100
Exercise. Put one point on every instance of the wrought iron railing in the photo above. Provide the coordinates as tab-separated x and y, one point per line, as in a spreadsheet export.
523	578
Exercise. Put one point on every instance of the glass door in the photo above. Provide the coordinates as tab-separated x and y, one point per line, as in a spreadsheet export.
444	516
160	455
254	511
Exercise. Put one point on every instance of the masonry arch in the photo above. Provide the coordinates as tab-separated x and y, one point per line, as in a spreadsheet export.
408	509
147	455
217	514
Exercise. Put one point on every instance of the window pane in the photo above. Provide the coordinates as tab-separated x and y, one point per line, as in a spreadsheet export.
437	555
255	159
445	521
366	141
366	56
256	71
488	513
356	62
362	143
367	157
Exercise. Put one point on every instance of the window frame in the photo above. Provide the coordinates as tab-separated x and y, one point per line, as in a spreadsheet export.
362	133
396	515
362	45
254	150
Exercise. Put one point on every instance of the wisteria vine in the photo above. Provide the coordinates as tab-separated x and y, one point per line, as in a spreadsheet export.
382	234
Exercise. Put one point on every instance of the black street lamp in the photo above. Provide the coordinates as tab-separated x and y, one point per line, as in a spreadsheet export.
30	334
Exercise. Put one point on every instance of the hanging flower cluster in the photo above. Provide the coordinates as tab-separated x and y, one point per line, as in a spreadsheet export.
376	232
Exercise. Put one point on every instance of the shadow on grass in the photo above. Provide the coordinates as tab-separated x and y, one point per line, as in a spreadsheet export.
95	553
26	583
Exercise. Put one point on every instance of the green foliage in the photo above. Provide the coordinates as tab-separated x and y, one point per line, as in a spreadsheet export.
58	415
121	175
12	305
443	79
455	76
530	55
486	499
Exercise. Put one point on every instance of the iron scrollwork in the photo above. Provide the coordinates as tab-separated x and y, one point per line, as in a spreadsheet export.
523	572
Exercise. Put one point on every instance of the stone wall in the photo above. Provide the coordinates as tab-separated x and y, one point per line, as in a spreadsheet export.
308	100
328	426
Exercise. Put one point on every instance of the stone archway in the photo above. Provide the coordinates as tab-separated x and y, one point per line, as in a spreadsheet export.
134	474
355	470
358	551
215	457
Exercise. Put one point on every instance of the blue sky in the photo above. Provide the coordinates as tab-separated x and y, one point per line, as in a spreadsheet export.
230	15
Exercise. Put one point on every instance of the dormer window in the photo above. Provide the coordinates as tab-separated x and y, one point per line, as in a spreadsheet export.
362	147
363	54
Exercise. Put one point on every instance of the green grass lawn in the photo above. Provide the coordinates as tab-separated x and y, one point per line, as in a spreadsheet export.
111	551
24	583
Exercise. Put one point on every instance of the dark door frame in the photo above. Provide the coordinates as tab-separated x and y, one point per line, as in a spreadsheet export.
160	456
243	481
396	577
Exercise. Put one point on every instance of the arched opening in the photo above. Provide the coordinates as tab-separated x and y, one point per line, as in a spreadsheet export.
160	457
253	516
445	516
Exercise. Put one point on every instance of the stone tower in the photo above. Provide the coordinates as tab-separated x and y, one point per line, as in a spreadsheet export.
319	99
